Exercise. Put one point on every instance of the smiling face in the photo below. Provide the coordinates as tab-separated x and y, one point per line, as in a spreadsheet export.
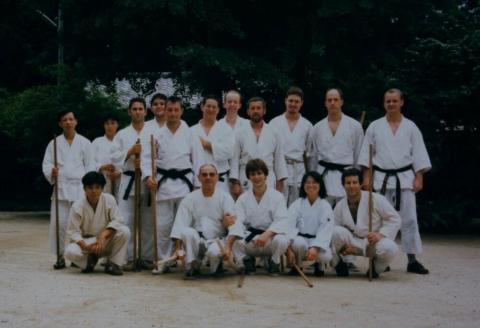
311	188
293	103
258	179
232	101
393	102
352	186
210	110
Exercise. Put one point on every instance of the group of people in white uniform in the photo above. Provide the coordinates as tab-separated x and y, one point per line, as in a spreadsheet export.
237	191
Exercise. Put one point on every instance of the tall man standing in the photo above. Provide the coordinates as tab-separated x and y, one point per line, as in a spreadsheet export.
400	160
126	154
336	140
177	161
294	131
74	159
157	106
216	139
258	140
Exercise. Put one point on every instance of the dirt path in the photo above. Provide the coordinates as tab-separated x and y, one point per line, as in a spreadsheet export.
32	294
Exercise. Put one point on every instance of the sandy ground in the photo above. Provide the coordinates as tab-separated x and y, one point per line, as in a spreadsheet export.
32	294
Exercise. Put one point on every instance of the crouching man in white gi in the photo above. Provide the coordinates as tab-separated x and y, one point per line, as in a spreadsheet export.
262	212
204	216
96	228
350	234
311	219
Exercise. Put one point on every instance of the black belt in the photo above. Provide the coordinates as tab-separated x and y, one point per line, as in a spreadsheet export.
393	173
130	174
333	167
201	235
221	176
306	235
253	233
175	174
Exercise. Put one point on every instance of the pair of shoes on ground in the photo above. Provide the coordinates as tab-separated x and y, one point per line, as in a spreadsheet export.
141	264
317	272
417	267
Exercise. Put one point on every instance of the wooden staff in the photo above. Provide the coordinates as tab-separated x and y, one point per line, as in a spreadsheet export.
362	118
305	161
153	202
137	241
300	272
231	264
55	188
370	208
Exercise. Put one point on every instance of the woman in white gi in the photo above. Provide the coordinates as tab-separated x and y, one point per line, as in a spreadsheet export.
311	218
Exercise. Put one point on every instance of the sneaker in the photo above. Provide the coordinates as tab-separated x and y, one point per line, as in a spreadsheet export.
417	267
113	269
60	264
91	262
273	268
191	274
249	265
317	272
341	269
130	266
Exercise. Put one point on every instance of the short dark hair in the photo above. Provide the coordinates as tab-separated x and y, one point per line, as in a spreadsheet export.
351	172
255	99
175	100
110	117
294	91
322	193
64	112
92	178
213	97
137	99
158	96
255	165
340	92
392	90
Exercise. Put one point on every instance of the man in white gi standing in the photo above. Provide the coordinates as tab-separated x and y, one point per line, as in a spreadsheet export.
351	236
262	212
336	140
400	160
96	228
74	159
157	106
204	216
177	161
258	140
129	144
293	130
216	139
102	147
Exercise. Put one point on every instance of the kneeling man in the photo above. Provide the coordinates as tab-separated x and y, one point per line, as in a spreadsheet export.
261	211
350	234
203	219
96	228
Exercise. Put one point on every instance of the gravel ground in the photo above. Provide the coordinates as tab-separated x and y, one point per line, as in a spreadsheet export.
32	294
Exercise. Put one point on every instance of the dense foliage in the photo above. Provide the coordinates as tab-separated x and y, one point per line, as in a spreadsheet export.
431	49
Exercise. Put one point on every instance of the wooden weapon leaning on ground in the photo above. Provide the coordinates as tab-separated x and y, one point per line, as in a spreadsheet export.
304	277
370	209
137	225
55	181
153	203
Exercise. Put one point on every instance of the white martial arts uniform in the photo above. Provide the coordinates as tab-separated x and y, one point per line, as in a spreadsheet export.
153	124
199	221
268	214
268	147
384	220
295	146
311	226
395	151
175	153
85	224
342	148
102	148
74	160
123	141
239	123
222	138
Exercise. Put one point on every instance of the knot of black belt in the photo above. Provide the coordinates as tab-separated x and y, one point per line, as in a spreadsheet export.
175	174
253	233
306	235
333	167
221	176
392	173
130	174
